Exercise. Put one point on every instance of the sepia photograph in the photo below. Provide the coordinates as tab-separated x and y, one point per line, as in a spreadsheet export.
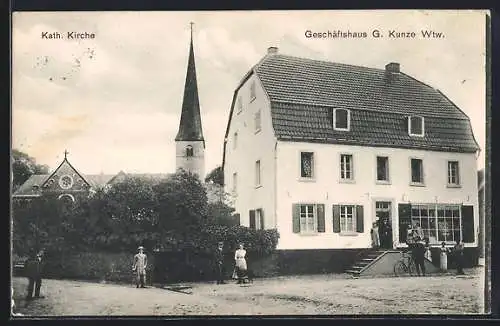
244	163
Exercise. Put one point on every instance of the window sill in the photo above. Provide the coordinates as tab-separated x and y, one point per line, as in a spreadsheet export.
302	179
417	184
416	135
258	186
257	131
349	234
309	234
453	186
347	181
382	182
340	129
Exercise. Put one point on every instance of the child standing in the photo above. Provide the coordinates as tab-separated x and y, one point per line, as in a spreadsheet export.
443	257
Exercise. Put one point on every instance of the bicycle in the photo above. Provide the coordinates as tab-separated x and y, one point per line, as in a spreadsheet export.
405	265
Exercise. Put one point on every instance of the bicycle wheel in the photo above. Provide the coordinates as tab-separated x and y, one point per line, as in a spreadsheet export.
400	269
412	268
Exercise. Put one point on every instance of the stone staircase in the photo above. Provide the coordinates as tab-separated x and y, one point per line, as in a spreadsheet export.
364	260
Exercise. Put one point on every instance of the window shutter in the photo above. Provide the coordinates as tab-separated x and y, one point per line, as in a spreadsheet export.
359	219
404	211
320	209
261	219
252	219
336	218
296	218
468	224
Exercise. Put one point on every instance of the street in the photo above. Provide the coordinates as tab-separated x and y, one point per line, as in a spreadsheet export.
292	295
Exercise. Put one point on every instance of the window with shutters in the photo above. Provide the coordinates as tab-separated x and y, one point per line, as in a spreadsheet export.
307	165
347	218
439	222
308	218
341	119
453	174
259	219
416	126
417	172
382	169
346	167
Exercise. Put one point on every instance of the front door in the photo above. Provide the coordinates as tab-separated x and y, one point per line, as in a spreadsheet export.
383	213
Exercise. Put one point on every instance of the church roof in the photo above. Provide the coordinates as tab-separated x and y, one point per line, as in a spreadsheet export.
190	124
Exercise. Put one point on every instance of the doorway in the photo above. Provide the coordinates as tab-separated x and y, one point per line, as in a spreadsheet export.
383	213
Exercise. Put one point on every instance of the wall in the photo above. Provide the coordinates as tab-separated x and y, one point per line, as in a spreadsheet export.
195	163
251	146
364	191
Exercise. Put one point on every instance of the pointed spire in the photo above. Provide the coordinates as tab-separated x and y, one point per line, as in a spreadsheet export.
66	154
190	124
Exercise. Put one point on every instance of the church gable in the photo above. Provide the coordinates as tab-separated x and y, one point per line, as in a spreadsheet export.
65	179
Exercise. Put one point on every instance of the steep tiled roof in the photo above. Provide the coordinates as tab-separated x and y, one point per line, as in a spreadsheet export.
28	187
303	92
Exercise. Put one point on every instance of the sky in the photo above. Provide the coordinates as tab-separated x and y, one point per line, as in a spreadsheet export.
114	101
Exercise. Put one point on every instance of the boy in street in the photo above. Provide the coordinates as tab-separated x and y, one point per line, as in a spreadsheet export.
33	269
219	260
139	267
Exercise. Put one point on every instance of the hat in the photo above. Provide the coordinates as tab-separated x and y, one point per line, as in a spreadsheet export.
140	247
220	242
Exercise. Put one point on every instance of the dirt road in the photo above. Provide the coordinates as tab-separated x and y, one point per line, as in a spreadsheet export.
309	295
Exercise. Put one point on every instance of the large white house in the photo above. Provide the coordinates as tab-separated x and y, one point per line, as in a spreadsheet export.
320	150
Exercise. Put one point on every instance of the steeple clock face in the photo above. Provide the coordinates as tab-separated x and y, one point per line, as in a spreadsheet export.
66	181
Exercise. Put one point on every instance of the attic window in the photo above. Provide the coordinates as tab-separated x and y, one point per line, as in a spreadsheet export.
239	105
341	119
189	151
252	91
416	126
35	187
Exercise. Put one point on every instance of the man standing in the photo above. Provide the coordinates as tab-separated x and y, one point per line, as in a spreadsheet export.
419	257
458	255
219	260
140	264
33	269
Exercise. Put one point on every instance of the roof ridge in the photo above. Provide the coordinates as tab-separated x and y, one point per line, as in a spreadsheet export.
347	65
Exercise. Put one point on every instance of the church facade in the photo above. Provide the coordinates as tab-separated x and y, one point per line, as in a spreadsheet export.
67	183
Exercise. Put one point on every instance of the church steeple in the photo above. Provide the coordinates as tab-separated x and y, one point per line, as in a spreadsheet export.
190	125
189	142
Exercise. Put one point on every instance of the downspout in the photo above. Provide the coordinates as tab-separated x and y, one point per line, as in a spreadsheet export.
275	183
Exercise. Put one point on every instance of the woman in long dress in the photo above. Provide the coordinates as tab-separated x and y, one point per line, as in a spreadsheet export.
241	264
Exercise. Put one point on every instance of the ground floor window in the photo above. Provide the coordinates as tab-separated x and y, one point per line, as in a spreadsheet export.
347	218
439	222
307	218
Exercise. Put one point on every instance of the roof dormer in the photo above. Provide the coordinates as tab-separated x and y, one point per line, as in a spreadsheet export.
341	119
416	126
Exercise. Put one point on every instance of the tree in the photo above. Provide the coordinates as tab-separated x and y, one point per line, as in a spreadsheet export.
24	166
182	203
216	176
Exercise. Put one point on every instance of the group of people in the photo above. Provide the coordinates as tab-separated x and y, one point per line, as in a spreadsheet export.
381	233
240	272
419	247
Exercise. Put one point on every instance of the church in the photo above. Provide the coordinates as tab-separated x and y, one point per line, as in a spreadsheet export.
67	183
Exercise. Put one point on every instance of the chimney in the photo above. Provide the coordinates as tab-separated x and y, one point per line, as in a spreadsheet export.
391	70
272	50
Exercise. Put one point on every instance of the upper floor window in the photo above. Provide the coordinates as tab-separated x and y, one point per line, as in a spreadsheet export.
341	119
189	150
453	173
417	171
306	165
257	121
235	140
382	168
252	91
346	167
416	126
239	105
257	173
235	183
